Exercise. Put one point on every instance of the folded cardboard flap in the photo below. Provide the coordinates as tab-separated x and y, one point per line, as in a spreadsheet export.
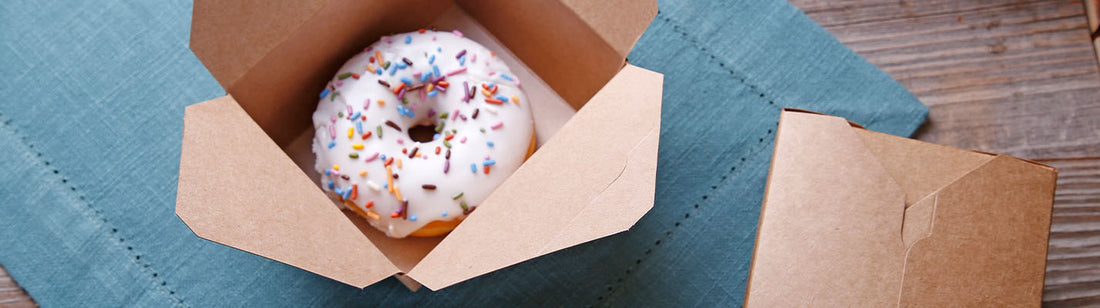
598	164
973	230
226	194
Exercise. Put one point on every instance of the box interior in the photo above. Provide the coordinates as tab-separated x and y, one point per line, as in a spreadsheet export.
286	113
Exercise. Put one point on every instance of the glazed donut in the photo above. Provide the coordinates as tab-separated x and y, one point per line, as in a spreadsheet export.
418	129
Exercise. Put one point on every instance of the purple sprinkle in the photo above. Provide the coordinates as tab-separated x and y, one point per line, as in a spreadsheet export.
431	112
460	54
446	166
466	87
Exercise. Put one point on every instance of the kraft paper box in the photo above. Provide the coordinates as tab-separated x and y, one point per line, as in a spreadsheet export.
245	169
853	217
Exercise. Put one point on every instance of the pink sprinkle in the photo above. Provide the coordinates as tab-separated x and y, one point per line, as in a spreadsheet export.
463	140
517	80
473	59
333	119
366	104
424	156
491	73
486	157
339	83
423	95
334	172
458	33
368	49
433	38
400	141
332	131
455	116
416	75
372	157
457	71
388	39
497	126
431	112
349	110
446	166
463	117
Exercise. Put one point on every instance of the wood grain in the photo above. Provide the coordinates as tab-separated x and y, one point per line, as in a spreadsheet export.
1016	77
11	295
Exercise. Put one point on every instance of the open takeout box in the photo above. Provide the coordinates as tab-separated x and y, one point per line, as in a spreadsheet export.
239	184
853	217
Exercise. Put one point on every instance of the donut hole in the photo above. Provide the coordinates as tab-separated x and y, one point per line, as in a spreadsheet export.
421	133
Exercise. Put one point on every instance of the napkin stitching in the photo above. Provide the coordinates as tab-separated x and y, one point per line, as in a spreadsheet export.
93	214
610	291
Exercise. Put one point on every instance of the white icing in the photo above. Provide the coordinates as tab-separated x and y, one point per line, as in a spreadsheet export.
469	145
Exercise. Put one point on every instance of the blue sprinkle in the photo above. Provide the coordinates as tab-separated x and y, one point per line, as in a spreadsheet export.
432	93
436	136
331	185
359	126
435	70
444	214
473	167
347	193
378	70
505	76
462	60
439	49
383	157
425	77
491	84
489	162
431	60
356	115
406	80
490	143
393	69
338	191
412	218
386	186
332	144
324	93
402	65
502	98
327	172
408	39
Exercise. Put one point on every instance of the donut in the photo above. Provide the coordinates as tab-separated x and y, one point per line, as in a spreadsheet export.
418	129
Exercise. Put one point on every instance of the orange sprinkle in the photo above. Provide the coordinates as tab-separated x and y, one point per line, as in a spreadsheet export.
515	99
421	30
369	204
444	83
389	160
493	89
389	178
394	215
373	215
354	191
379	56
436	150
405	150
485	86
398	163
398	88
367	135
491	53
363	173
370	68
486	93
381	102
354	75
371	59
429	87
486	169
448	138
397	192
494	101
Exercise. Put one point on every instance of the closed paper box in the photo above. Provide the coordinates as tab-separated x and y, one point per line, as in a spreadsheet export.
853	217
593	175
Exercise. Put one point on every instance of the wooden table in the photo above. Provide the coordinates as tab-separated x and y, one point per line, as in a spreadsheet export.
1016	77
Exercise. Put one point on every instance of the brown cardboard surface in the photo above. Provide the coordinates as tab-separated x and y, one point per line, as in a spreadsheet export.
585	183
286	61
226	195
857	218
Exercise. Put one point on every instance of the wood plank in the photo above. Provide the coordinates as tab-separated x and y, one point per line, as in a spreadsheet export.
11	294
1014	77
1073	259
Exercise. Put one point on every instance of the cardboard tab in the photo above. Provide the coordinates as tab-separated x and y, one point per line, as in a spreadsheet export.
611	147
619	22
226	194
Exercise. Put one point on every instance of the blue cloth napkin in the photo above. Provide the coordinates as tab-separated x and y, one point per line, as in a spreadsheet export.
91	108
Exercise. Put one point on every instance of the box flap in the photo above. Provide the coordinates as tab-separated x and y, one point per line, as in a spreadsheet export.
619	22
226	195
988	242
830	227
595	177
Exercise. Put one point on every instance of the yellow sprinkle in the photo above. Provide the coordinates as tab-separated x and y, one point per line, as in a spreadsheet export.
486	93
398	163
417	155
363	173
397	192
370	69
429	88
515	100
351	132
357	146
372	215
335	167
381	102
